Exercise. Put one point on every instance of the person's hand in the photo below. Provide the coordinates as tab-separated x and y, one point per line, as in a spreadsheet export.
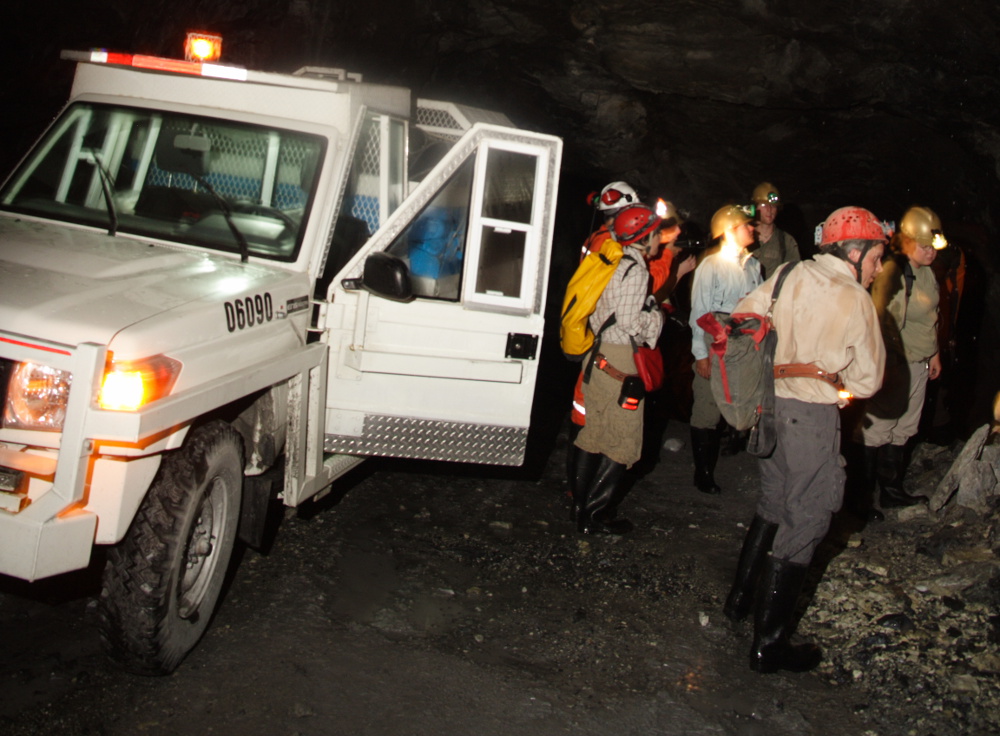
685	267
703	368
934	366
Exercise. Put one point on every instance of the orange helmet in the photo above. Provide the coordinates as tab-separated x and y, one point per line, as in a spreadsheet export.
849	229
852	223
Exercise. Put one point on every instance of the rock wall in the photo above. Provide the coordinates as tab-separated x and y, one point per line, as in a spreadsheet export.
881	103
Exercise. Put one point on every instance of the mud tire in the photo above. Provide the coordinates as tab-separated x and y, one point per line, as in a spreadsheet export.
163	580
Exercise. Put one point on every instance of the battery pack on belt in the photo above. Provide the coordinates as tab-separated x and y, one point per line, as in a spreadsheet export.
633	389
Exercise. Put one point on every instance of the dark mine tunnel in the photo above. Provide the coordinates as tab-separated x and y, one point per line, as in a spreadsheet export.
529	626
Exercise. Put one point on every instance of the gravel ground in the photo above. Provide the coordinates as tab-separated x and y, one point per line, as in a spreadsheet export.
423	598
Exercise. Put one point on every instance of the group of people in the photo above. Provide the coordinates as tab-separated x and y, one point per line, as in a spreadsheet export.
855	322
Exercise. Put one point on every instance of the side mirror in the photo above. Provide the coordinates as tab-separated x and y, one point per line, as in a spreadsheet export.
386	276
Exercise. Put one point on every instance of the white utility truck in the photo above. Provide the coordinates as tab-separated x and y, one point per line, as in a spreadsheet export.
207	273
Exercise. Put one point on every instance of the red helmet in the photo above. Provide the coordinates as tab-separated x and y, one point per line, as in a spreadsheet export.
634	223
852	223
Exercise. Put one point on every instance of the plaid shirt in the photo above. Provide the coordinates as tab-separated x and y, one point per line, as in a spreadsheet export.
627	297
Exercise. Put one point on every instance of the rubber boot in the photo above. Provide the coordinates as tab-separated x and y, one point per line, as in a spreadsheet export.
603	495
705	447
734	441
756	546
871	509
582	466
780	584
890	468
860	489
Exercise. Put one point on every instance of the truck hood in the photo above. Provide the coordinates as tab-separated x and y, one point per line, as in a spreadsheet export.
72	286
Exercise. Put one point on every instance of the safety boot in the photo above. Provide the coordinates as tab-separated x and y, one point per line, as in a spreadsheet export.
890	469
705	448
599	512
756	546
780	585
581	466
862	487
734	441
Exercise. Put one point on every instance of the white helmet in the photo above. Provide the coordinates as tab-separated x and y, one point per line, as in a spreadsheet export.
615	196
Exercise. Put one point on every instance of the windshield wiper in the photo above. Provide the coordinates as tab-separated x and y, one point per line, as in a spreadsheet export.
106	185
227	213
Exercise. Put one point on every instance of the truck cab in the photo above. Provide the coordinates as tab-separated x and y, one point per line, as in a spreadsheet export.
208	272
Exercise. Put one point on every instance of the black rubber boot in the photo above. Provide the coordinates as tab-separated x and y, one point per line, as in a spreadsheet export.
603	495
756	546
734	441
581	466
870	487
861	489
890	469
780	585
705	447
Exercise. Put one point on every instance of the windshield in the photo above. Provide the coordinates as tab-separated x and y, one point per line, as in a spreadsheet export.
201	181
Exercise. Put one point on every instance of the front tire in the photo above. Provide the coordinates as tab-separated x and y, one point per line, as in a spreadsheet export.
163	580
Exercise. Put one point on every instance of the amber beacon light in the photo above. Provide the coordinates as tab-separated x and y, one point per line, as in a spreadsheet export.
200	46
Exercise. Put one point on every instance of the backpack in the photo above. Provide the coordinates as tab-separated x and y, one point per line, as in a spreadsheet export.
584	289
742	357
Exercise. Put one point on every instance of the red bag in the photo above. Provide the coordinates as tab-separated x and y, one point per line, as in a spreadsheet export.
649	366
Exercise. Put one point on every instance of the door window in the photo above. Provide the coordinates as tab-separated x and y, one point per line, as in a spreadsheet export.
506	231
433	245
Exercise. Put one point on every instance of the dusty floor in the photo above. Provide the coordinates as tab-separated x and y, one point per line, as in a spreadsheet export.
429	599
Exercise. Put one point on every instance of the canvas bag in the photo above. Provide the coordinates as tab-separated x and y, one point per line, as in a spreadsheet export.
742	359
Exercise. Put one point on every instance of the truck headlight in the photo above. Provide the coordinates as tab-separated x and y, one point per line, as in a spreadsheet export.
128	385
36	397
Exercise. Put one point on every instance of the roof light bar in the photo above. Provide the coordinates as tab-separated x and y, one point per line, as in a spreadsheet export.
158	63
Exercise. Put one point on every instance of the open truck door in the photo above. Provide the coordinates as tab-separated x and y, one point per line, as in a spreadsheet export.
435	326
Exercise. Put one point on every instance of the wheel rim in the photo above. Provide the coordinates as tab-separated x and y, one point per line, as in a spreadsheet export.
201	553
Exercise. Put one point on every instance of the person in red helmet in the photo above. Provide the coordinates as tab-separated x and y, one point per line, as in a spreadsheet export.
611	440
607	203
829	348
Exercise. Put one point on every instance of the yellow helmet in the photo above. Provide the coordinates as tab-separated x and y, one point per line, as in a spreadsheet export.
766	193
729	217
668	213
924	226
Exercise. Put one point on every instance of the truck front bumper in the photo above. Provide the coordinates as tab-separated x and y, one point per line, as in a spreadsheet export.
40	541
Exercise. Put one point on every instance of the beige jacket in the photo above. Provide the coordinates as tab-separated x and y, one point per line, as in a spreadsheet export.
909	325
824	317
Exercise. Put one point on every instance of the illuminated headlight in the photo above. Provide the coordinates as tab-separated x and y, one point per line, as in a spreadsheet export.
36	397
128	385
